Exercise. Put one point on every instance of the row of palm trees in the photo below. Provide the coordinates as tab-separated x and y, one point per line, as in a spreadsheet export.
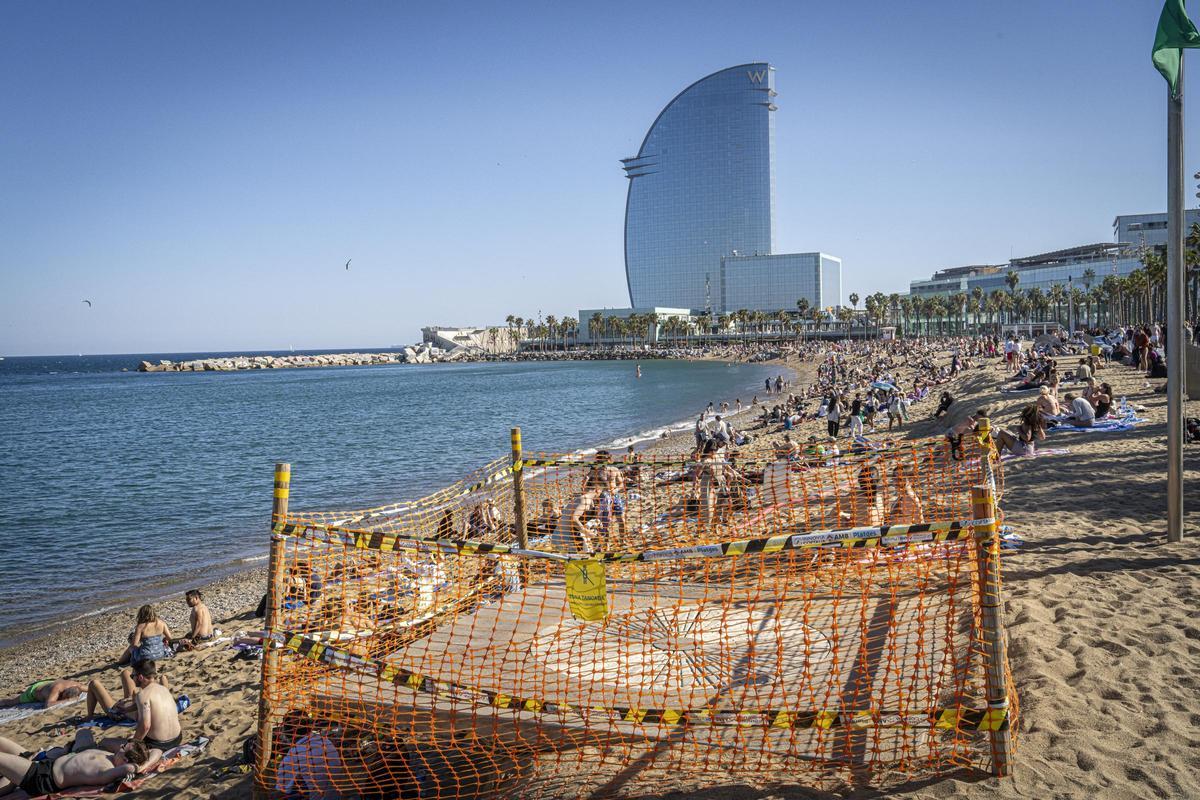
1140	295
543	333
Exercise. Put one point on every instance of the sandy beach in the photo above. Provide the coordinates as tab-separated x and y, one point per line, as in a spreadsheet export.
1104	637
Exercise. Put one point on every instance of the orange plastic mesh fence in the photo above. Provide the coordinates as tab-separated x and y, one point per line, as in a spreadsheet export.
671	624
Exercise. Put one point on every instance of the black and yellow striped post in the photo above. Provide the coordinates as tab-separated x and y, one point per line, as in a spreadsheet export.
518	490
270	668
995	636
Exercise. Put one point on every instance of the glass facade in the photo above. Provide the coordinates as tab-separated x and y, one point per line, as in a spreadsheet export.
771	283
1041	272
701	187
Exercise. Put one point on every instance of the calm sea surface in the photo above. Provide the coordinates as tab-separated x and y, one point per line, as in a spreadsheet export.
120	486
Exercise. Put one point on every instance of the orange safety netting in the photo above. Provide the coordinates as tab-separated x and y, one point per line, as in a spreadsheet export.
668	624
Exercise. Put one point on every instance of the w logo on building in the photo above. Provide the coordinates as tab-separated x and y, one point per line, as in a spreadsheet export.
756	77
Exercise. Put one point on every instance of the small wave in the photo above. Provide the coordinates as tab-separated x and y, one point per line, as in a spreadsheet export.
252	559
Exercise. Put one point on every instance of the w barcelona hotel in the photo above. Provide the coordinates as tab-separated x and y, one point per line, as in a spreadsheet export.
700	211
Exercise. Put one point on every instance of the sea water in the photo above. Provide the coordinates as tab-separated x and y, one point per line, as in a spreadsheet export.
118	486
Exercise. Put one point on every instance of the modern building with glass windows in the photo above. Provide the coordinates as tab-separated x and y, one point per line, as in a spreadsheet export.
701	187
774	283
700	210
1067	267
1149	230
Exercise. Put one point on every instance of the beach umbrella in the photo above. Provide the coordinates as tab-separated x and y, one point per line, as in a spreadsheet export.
884	385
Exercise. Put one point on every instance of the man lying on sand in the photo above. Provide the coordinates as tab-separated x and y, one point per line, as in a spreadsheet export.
153	708
83	765
49	692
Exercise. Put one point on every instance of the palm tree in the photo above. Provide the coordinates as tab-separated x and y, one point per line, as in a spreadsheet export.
1036	298
594	324
1089	277
957	303
1012	279
1058	296
551	328
1191	261
854	300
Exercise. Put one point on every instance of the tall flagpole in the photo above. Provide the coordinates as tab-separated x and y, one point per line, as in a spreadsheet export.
1175	292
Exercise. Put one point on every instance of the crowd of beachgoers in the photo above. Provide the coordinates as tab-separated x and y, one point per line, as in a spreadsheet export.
830	399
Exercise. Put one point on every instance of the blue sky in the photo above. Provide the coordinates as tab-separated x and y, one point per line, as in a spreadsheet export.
201	172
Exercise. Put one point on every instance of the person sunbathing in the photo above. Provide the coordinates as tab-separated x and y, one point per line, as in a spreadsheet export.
48	692
84	765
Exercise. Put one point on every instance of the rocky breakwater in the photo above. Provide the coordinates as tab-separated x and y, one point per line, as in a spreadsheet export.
421	354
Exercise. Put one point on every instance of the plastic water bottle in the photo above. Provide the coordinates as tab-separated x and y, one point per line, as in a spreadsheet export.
1123	405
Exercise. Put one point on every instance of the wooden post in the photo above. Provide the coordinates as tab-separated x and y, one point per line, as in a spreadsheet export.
994	634
519	490
983	431
270	668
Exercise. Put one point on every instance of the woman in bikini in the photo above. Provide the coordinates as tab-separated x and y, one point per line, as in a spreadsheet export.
150	639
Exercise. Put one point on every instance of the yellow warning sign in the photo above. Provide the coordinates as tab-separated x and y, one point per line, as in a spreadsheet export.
586	591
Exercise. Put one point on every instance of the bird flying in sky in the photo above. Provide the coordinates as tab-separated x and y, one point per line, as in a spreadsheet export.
348	260
89	302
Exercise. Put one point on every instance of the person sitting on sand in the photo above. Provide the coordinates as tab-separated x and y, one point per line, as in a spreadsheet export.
1031	430
1047	403
1079	412
908	508
155	710
545	523
786	449
149	640
48	692
84	765
484	521
125	709
944	404
201	619
1102	401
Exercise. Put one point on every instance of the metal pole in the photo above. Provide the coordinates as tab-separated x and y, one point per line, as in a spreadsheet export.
270	666
1174	330
995	637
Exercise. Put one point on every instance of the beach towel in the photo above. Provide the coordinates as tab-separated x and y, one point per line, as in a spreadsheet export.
29	709
1106	425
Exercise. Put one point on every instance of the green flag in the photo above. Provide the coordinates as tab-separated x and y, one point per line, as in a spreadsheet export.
1175	30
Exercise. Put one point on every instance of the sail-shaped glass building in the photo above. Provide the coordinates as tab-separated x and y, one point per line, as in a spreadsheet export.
701	187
